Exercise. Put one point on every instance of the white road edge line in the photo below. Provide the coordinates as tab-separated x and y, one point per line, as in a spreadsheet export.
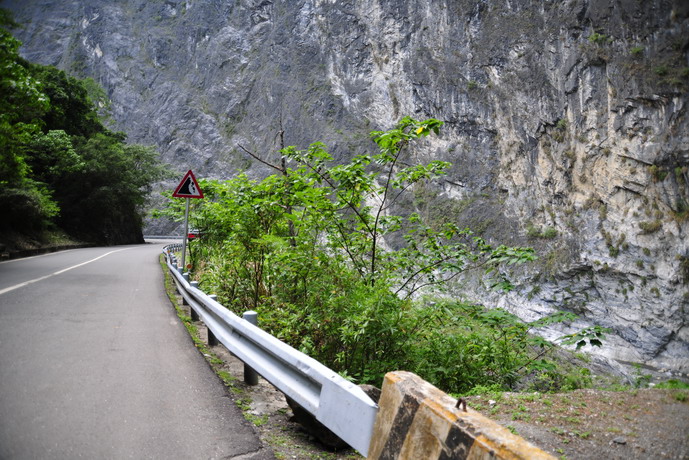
26	283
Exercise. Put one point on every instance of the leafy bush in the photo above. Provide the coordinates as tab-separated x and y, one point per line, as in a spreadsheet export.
304	248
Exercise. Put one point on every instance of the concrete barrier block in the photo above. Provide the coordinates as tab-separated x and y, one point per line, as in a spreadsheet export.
418	421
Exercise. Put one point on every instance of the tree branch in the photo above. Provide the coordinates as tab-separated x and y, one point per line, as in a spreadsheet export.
257	158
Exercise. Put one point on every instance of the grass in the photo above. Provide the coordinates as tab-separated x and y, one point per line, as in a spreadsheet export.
673	384
584	435
257	420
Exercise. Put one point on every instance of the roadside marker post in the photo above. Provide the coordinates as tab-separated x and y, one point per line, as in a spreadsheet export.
187	188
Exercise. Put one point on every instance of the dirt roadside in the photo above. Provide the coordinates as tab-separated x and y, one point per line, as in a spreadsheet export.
583	424
587	424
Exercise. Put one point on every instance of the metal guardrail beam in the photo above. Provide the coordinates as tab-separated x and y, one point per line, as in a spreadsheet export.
338	404
163	237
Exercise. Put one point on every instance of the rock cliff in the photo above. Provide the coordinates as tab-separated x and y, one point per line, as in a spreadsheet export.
566	121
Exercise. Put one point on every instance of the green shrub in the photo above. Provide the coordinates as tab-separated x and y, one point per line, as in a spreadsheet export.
304	249
595	37
650	226
549	233
614	251
534	232
661	70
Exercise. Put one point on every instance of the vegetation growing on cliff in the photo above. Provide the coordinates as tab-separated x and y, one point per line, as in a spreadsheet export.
59	166
305	249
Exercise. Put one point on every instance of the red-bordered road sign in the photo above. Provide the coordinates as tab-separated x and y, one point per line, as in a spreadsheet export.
188	188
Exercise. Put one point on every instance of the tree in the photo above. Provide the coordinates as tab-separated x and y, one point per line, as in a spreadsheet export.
58	164
363	198
22	103
70	110
103	195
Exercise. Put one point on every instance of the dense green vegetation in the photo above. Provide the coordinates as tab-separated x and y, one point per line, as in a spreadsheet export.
60	168
304	248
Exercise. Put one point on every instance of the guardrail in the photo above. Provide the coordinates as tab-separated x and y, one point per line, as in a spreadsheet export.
340	405
163	237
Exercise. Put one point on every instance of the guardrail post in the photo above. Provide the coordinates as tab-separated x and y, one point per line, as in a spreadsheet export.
186	278
192	312
212	339
250	375
179	289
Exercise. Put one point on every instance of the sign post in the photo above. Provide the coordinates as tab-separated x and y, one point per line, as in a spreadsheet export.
187	188
186	236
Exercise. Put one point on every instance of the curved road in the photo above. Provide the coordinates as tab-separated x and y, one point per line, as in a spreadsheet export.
95	364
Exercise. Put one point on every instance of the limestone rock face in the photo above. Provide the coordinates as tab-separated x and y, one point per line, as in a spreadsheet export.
566	121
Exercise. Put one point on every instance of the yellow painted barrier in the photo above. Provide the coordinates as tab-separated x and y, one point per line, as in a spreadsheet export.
417	421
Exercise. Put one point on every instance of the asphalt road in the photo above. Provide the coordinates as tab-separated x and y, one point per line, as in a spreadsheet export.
95	364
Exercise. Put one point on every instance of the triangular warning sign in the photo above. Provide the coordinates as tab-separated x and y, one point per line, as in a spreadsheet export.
188	188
